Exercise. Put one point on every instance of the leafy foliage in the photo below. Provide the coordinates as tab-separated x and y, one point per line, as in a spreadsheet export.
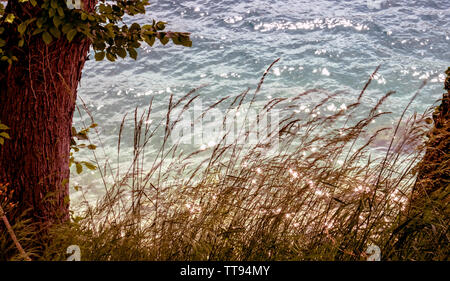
3	134
81	135
104	27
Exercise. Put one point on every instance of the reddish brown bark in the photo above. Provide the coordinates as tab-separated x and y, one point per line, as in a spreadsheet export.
427	209
37	101
434	170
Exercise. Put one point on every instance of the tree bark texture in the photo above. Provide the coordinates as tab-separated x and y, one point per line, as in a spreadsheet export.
37	101
428	213
434	170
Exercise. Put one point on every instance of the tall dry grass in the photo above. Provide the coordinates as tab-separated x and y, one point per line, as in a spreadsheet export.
321	194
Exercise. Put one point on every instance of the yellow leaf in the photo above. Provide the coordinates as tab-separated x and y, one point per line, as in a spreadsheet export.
10	18
64	182
92	146
47	37
5	135
79	168
3	127
71	34
90	166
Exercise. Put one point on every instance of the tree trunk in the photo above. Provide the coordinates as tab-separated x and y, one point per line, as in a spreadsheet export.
434	170
428	215
37	101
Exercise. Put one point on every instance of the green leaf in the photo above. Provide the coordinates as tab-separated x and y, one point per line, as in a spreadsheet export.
79	168
55	32
77	219
60	11
66	28
90	166
5	135
182	39
71	34
135	44
161	25
40	22
22	27
132	52
91	146
2	141
164	40
47	37
33	2
51	12
37	31
99	56
176	40
121	52
150	40
10	18
3	127
187	43
99	45
110	56
135	27
82	136
64	182
57	21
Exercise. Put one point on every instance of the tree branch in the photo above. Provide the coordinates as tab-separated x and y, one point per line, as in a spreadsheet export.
13	235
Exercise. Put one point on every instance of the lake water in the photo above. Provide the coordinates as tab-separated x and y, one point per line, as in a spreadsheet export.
328	44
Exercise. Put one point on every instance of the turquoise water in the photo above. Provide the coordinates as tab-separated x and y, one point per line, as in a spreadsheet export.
334	45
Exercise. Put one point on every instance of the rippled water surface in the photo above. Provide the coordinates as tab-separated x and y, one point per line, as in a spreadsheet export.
330	44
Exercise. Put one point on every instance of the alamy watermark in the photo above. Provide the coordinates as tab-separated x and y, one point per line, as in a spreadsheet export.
208	126
73	4
376	4
75	253
374	253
